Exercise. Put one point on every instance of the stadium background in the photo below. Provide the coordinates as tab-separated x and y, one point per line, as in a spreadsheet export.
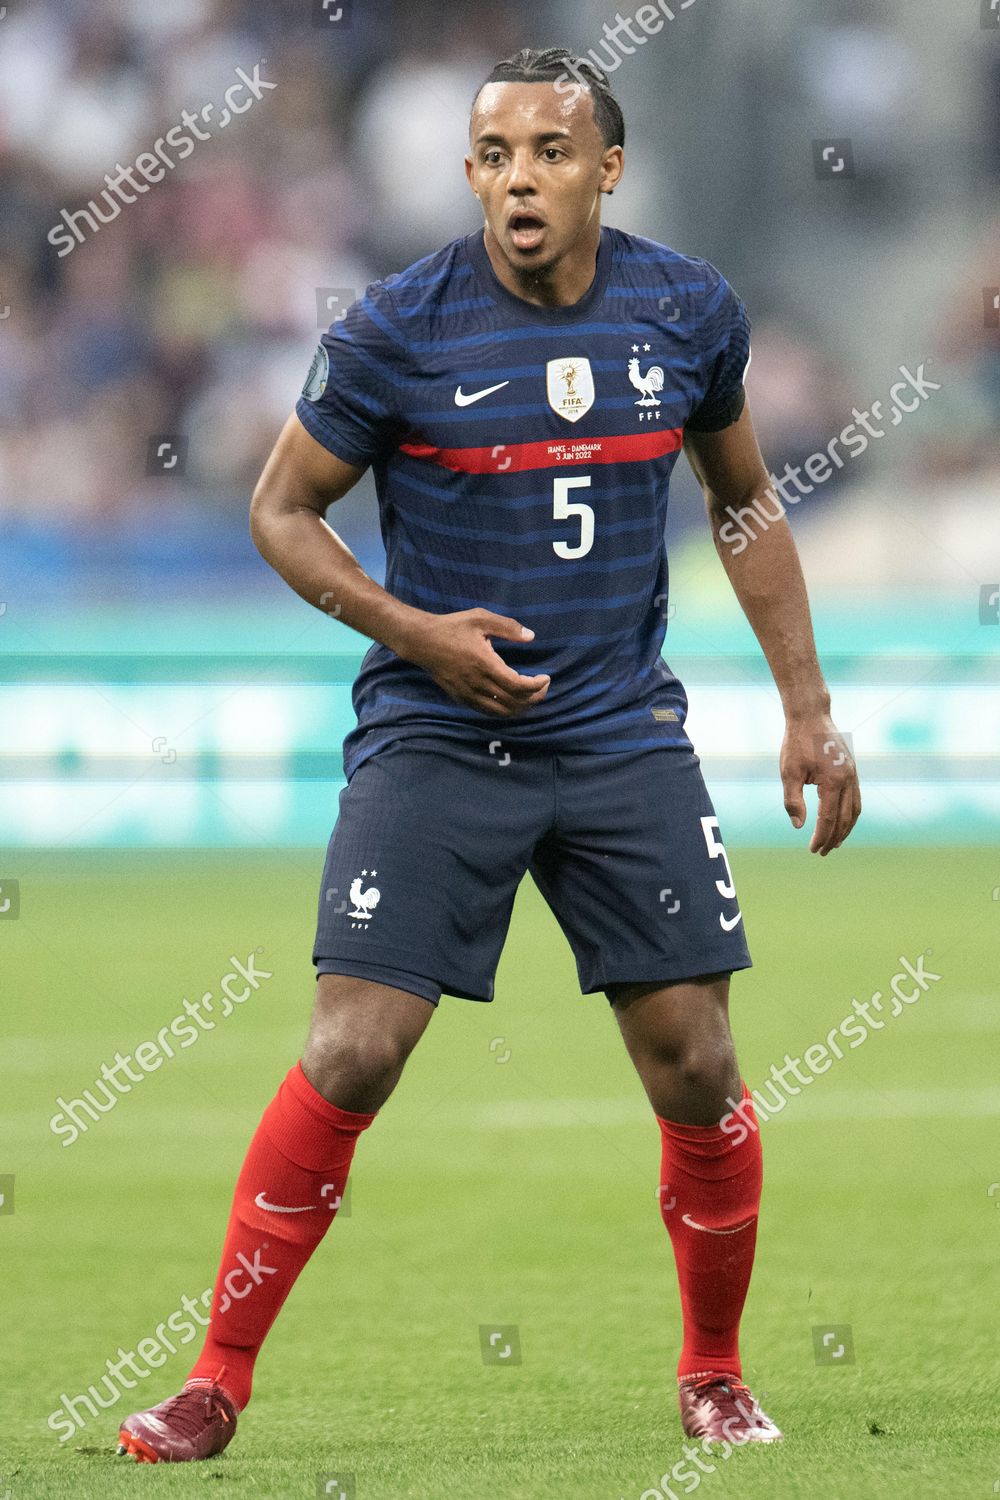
172	717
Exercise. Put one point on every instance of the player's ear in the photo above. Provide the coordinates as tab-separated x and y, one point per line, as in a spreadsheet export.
468	174
612	167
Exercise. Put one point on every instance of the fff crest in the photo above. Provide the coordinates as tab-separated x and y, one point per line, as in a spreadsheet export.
570	386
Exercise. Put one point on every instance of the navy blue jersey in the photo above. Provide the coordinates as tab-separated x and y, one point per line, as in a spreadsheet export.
522	457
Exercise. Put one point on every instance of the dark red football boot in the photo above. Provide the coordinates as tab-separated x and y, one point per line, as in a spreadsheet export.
196	1423
722	1409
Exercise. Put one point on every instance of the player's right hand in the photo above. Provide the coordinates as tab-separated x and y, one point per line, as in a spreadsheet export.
455	650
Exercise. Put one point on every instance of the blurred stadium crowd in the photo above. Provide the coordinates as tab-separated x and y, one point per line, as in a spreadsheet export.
193	313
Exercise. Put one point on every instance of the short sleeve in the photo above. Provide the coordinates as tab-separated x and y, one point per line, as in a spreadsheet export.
726	345
351	399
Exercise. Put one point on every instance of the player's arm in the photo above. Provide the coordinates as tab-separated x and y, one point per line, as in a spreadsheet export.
301	479
767	579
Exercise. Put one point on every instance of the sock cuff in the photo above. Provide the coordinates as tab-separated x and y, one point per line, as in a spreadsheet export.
718	1134
306	1129
332	1114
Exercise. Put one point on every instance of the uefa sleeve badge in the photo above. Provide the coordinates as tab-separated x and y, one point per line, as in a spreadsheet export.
318	372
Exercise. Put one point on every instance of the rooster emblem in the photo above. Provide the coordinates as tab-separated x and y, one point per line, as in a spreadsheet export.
648	384
365	902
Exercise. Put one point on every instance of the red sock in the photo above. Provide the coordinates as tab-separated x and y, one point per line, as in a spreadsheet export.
298	1160
710	1183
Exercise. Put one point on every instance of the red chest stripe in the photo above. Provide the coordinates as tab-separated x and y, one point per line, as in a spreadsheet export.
514	458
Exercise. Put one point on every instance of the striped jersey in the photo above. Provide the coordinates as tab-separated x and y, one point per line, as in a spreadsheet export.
522	457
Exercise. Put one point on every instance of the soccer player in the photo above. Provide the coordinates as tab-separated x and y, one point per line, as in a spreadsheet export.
521	396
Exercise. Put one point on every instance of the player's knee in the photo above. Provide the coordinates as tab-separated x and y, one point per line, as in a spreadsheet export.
360	1038
691	1048
353	1072
359	1052
706	1064
371	1061
689	1045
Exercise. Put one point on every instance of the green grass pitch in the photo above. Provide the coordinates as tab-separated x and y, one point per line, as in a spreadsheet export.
511	1180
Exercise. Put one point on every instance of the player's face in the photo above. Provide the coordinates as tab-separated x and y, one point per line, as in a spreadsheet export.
538	165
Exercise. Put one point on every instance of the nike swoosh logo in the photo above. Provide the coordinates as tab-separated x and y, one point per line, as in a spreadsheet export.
277	1208
462	400
705	1229
728	926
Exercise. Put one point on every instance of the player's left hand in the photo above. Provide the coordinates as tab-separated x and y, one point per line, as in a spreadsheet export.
815	754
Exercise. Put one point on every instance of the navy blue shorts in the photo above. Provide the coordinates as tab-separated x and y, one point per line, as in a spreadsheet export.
435	835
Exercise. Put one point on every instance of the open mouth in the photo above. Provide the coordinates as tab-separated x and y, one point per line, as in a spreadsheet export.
526	229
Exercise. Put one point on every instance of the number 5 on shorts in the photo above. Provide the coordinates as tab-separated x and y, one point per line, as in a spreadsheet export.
710	828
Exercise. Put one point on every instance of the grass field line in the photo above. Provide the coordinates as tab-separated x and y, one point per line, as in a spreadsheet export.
529	1114
27	1054
844	1104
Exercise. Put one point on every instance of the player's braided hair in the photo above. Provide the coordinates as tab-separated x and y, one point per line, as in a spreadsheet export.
555	64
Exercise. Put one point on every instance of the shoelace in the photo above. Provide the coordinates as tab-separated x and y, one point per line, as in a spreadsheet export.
734	1399
190	1410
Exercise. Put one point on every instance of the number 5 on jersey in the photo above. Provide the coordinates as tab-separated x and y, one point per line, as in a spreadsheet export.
563	508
